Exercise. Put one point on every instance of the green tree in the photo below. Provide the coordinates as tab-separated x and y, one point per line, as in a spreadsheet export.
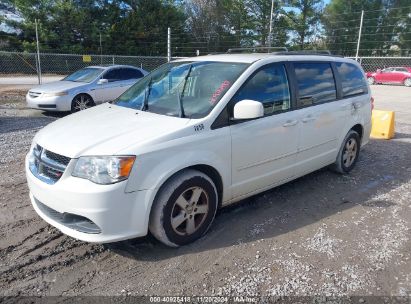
304	20
380	30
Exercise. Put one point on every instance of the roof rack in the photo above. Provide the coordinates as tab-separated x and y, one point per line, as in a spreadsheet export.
280	51
306	52
258	49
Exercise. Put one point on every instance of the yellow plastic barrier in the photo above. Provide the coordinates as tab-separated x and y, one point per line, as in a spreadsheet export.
382	124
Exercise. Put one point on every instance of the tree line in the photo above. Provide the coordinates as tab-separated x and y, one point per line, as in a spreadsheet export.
139	27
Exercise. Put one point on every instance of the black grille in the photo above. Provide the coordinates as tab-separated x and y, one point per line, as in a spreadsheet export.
48	166
58	158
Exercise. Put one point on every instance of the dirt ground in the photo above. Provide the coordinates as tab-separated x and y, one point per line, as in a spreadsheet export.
323	234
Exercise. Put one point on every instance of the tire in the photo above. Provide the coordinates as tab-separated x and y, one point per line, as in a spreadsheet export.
81	102
178	217
347	157
407	82
371	80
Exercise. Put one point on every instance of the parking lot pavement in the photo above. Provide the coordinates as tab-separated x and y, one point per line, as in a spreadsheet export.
323	234
16	80
393	98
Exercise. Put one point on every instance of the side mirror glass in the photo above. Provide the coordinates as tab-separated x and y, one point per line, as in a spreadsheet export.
102	81
248	109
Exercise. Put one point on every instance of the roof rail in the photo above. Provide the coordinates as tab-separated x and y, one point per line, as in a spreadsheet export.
306	52
257	49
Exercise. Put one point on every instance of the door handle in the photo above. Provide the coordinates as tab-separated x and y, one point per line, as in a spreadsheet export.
308	119
290	123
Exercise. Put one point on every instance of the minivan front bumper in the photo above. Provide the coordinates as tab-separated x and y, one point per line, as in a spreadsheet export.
88	211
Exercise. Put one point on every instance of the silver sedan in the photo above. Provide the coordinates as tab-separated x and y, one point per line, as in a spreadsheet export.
84	88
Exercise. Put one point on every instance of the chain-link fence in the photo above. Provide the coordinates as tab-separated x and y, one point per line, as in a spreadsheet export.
20	63
371	64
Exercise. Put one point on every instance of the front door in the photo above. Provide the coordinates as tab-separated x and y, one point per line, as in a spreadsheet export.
264	150
386	76
112	89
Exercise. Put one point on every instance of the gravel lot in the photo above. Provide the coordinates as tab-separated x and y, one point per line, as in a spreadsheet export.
323	234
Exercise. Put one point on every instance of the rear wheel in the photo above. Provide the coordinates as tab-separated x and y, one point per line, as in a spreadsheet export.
407	82
371	80
184	208
81	102
348	154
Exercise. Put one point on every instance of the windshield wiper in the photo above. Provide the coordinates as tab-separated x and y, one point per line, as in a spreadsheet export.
180	96
147	94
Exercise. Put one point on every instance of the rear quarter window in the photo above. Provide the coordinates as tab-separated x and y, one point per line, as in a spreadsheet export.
352	79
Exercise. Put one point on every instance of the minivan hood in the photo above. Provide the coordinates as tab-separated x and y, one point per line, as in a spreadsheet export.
104	130
57	86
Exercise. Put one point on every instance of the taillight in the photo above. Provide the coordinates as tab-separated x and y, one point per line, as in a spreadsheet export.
372	103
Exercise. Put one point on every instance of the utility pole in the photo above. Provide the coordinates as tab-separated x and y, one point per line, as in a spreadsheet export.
38	54
271	24
168	44
359	36
101	51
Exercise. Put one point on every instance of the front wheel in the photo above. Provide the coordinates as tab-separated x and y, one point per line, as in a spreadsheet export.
371	80
348	154
81	102
184	208
407	82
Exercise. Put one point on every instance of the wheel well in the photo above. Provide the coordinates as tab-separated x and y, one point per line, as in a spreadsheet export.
215	177
83	94
358	128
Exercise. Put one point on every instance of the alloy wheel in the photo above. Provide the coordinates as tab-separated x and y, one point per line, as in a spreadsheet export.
82	102
189	211
350	152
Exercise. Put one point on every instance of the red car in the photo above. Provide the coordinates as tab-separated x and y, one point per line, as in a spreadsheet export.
391	75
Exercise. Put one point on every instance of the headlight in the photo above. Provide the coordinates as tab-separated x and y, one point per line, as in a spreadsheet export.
53	94
104	169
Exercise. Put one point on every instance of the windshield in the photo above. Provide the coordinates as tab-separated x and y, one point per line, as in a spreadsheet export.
182	89
84	75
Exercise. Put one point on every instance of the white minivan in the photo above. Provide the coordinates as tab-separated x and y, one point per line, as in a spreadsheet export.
195	135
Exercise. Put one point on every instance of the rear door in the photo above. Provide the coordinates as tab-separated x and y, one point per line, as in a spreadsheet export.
322	117
264	150
129	76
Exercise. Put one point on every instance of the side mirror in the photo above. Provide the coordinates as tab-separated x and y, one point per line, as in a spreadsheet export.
102	81
248	109
379	71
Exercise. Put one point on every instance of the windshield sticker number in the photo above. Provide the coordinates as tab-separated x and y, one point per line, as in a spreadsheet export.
199	127
224	85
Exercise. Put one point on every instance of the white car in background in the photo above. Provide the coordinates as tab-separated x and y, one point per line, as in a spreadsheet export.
84	88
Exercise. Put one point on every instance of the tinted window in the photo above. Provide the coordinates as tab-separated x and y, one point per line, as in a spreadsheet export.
401	70
269	86
113	75
352	79
315	83
130	74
